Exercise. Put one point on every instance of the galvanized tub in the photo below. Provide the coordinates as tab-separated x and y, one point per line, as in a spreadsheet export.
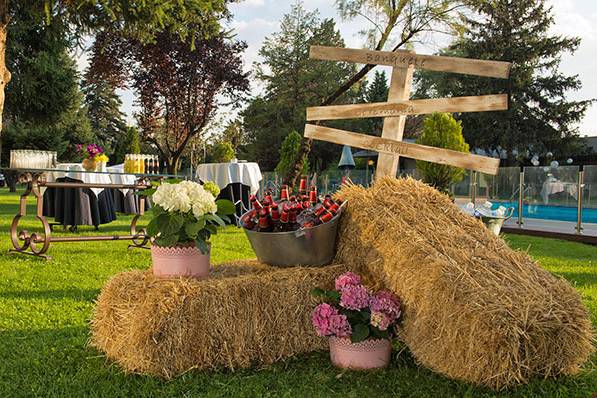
314	246
494	224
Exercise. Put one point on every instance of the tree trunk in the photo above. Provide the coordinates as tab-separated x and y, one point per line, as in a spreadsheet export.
4	72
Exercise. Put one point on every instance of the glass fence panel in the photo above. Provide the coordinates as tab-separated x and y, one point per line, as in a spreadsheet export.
462	190
589	197
551	192
500	189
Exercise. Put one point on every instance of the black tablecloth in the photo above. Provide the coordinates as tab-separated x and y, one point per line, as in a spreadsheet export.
78	206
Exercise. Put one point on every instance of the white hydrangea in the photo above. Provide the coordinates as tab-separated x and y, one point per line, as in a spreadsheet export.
184	197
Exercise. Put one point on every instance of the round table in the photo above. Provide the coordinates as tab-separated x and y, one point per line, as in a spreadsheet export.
235	179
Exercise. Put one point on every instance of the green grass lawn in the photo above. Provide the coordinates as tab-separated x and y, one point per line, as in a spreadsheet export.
45	307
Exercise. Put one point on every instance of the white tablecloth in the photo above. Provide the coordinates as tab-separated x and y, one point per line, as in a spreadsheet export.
553	186
229	173
77	172
127	179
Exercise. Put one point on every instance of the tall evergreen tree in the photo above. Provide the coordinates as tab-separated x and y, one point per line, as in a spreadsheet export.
43	108
293	81
540	117
103	108
377	91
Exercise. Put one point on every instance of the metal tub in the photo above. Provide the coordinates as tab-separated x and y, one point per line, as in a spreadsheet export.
305	247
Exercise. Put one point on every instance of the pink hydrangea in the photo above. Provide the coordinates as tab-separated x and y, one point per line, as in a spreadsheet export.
329	322
354	297
380	320
387	303
321	318
347	279
339	326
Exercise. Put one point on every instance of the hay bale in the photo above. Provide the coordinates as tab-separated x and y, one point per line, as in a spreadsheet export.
246	314
475	309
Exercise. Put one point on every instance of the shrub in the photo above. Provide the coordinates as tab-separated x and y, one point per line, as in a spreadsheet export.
222	152
443	131
288	151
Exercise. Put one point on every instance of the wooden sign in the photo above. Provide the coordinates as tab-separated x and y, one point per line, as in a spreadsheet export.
480	103
482	164
398	106
404	59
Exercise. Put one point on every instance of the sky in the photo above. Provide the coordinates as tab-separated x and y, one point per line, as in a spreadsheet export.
256	19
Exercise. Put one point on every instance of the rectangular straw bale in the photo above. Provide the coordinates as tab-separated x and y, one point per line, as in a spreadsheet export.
475	309
245	314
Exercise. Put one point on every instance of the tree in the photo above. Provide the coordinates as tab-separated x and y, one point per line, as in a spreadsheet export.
397	22
178	88
441	130
377	91
540	118
292	81
103	108
188	19
288	151
128	142
221	152
39	57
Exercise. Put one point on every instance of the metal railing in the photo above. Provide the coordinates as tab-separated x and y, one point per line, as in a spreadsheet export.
563	193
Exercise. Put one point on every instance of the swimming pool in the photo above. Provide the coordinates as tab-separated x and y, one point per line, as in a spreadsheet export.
549	212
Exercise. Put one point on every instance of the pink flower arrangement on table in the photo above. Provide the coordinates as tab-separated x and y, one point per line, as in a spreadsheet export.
90	150
352	310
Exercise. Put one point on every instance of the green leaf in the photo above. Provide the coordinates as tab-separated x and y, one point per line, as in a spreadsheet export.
214	218
157	210
170	223
166	240
359	333
212	229
202	246
153	228
225	206
318	293
379	334
193	227
224	218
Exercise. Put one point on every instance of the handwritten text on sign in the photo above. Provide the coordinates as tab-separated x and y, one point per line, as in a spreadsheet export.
395	60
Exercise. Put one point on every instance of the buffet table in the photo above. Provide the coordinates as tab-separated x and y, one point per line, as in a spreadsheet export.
236	181
85	192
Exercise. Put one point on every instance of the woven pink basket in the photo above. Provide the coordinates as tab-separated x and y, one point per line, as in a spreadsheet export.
176	261
368	354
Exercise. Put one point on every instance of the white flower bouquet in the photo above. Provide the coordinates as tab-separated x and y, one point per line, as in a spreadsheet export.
187	212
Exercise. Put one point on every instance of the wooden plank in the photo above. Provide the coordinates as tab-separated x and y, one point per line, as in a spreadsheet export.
469	161
438	63
481	103
393	127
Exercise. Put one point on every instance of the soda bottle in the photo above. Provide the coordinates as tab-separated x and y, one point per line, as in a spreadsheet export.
313	196
275	215
292	224
255	203
264	222
284	217
284	197
302	187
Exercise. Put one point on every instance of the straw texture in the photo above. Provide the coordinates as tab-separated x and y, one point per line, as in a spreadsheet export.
475	309
245	314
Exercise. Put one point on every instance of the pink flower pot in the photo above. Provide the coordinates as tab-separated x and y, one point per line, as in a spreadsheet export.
368	354
183	260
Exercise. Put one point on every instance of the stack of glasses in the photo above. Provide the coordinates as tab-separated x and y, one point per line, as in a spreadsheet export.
32	159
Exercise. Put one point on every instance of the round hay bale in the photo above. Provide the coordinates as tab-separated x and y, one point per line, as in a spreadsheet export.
475	309
245	314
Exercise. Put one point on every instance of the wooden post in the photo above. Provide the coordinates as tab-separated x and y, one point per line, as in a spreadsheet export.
393	127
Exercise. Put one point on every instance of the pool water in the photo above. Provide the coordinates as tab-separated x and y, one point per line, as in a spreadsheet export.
548	212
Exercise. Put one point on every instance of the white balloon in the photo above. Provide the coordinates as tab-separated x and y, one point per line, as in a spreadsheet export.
569	161
554	164
549	154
